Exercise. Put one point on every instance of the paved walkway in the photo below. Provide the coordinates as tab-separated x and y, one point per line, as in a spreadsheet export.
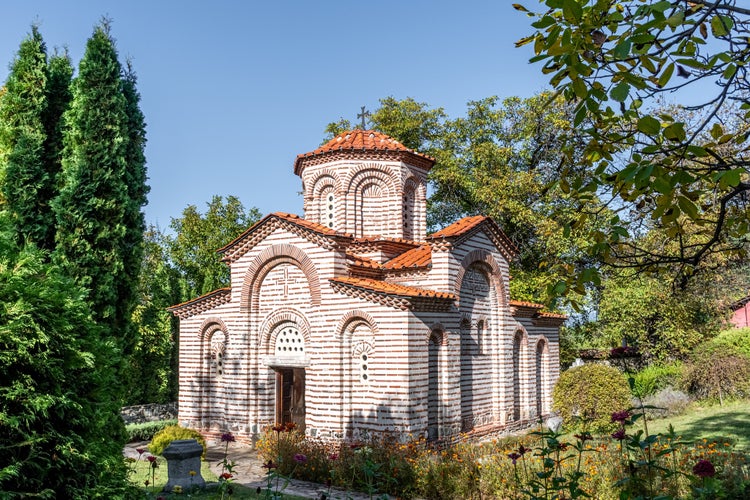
249	471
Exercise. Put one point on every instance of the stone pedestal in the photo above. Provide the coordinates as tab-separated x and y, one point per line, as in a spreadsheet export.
184	456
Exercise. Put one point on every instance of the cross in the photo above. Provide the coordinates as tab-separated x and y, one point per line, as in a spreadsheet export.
364	114
285	281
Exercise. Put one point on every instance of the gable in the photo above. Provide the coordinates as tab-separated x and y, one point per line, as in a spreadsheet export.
465	229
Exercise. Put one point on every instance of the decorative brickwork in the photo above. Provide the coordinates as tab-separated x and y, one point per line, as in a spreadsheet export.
351	320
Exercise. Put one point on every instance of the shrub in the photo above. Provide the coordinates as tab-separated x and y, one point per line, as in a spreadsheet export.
654	378
586	396
717	372
736	339
145	431
172	433
667	402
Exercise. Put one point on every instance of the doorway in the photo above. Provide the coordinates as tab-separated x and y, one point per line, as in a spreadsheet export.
290	396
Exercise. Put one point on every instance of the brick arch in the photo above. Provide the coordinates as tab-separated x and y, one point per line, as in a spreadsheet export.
355	316
269	327
269	258
495	275
319	181
438	332
358	174
210	326
519	377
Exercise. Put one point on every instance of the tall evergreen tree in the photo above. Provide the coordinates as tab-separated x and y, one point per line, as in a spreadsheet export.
134	222
92	202
27	184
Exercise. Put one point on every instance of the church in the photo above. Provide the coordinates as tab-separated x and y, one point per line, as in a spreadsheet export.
351	320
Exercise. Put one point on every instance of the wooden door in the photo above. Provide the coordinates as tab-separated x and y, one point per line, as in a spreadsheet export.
290	396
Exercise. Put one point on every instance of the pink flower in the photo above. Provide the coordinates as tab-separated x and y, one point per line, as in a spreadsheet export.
704	468
300	458
333	456
151	458
619	435
227	437
140	451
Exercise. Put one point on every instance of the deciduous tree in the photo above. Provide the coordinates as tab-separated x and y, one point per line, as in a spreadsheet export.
688	178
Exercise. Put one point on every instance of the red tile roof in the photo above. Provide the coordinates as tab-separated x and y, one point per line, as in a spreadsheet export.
360	140
459	227
418	257
523	303
391	288
357	260
294	219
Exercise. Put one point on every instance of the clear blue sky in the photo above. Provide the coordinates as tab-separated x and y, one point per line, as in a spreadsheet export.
232	91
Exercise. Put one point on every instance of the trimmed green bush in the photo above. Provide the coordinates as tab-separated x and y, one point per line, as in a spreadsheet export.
586	396
654	378
146	431
172	433
736	339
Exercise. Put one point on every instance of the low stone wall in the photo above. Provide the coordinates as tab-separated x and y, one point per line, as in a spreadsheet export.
155	412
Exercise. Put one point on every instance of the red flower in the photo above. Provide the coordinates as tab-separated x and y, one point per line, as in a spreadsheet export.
620	416
333	456
704	468
290	425
278	428
269	465
151	458
300	458
522	450
514	456
226	476
140	451
619	435
227	437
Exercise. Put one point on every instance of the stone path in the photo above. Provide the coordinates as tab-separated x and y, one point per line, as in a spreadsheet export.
249	471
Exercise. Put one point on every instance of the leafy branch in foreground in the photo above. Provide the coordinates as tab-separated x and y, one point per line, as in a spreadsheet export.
678	174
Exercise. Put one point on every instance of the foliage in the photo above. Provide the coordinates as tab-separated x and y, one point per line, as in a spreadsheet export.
587	395
29	115
664	323
145	431
171	433
735	339
656	377
681	176
154	358
486	470
198	236
717	372
667	402
61	430
99	234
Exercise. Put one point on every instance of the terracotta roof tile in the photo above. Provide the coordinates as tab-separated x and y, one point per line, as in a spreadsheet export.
523	303
459	227
418	257
392	288
357	260
545	314
360	140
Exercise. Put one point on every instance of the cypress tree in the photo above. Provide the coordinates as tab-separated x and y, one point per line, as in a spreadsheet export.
133	220
27	185
92	202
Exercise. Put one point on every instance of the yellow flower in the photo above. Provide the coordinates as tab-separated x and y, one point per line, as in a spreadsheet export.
177	489
192	473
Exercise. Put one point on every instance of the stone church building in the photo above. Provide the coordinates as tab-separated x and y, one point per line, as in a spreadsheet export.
352	319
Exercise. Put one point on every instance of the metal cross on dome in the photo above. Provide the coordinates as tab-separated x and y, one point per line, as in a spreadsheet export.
364	114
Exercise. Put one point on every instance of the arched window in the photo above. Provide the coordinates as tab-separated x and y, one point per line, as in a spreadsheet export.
542	378
518	352
218	345
409	219
328	207
434	402
362	359
290	343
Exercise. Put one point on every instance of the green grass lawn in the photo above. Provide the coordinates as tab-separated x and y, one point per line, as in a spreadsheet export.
730	422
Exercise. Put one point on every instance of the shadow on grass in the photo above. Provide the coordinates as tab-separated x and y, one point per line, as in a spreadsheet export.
731	426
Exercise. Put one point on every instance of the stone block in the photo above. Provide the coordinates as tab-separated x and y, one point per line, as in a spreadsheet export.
183	457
